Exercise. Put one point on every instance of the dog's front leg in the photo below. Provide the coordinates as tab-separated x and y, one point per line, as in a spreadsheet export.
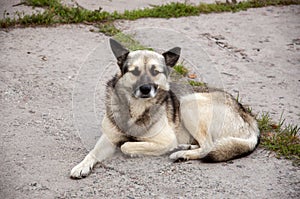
103	149
136	149
154	146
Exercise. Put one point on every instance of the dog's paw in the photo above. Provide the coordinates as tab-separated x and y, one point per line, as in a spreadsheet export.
84	168
181	147
179	156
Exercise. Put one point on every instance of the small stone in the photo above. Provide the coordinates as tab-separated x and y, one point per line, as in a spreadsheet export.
34	184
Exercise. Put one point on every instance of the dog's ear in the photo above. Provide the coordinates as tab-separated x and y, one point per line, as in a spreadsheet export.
119	51
172	56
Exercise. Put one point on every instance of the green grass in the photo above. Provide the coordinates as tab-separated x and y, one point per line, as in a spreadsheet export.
196	83
129	42
281	138
42	3
56	13
181	69
108	29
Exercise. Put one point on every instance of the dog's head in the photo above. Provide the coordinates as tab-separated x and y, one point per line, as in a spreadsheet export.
144	72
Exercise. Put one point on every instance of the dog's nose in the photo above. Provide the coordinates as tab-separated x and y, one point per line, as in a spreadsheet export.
145	89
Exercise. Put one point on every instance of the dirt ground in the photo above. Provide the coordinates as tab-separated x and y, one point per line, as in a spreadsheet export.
51	92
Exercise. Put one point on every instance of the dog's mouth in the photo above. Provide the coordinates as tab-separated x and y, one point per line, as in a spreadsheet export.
146	91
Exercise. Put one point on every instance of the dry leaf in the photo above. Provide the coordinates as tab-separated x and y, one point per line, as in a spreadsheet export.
192	76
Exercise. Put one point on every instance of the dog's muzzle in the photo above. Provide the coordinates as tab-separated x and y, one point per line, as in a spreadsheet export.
146	91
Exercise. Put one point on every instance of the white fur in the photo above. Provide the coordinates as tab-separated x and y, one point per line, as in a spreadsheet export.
102	150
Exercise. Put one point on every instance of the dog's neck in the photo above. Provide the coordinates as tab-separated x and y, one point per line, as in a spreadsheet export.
137	107
135	116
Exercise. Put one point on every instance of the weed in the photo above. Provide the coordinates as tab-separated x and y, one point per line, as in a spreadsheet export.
180	69
108	29
162	11
42	3
284	140
238	99
129	42
249	110
264	122
57	13
196	83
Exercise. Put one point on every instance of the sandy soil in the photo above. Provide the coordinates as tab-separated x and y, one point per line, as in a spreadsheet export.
51	92
122	5
14	8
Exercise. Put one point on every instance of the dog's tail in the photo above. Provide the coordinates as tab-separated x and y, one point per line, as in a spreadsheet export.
231	148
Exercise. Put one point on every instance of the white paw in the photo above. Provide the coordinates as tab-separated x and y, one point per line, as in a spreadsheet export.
185	147
84	168
179	155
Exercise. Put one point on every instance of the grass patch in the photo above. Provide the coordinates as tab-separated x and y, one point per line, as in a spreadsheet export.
196	83
41	3
281	138
56	13
129	42
108	29
181	69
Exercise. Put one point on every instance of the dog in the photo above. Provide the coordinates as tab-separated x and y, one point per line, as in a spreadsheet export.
147	114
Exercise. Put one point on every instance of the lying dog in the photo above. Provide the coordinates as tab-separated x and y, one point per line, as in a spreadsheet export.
148	115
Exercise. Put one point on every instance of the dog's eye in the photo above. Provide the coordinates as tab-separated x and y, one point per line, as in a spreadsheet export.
153	71
136	71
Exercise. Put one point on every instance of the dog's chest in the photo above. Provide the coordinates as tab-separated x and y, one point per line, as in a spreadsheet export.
136	117
138	109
